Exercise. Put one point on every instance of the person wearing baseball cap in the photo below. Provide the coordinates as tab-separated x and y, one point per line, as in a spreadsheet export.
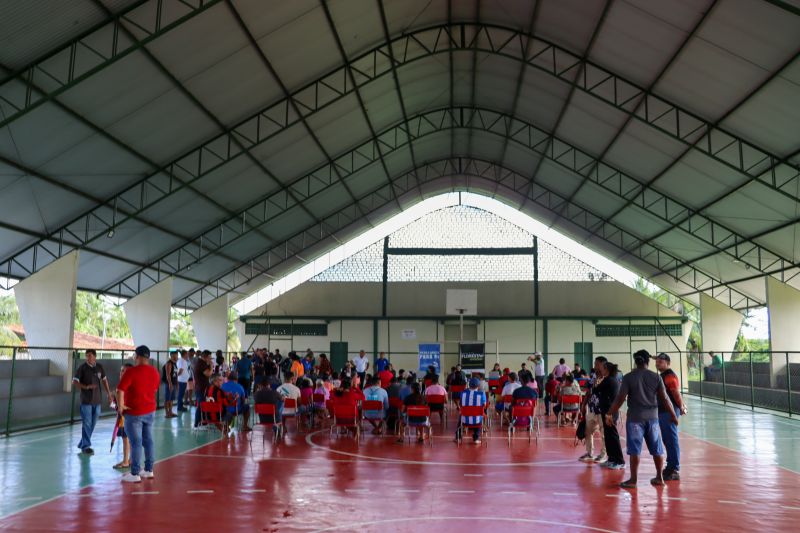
473	396
669	431
644	391
136	400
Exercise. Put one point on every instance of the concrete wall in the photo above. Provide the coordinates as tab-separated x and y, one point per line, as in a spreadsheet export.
507	298
784	317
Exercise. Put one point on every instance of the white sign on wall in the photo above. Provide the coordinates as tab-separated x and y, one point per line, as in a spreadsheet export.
408	334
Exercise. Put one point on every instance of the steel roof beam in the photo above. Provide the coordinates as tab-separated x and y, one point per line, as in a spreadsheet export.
92	51
507	179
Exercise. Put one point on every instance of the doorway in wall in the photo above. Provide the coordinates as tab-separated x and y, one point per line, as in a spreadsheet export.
584	355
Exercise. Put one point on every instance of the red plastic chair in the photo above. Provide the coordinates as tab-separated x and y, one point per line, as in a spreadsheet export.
211	414
346	417
268	409
494	386
568	398
471	411
427	383
368	406
455	393
438	404
418	411
508	401
290	403
522	418
396	404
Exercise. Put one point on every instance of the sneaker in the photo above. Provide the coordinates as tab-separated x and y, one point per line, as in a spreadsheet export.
605	464
616	466
673	475
586	458
144	474
600	458
131	478
88	451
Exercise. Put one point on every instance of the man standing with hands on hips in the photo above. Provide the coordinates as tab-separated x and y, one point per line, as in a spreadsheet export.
136	401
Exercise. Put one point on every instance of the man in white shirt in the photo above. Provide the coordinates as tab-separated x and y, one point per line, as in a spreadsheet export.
183	378
289	391
538	369
508	390
362	365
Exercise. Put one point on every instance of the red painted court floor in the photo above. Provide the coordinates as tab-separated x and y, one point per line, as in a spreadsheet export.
312	483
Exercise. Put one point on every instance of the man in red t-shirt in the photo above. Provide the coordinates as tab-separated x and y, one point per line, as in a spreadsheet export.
136	400
669	428
386	377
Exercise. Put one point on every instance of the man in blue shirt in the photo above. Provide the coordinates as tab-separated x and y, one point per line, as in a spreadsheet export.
234	391
473	396
374	392
381	363
244	368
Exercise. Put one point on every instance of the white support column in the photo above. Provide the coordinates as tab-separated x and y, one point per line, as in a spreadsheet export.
719	325
210	324
783	303
239	325
148	316
46	302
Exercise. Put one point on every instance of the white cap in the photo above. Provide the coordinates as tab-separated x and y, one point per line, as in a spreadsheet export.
537	353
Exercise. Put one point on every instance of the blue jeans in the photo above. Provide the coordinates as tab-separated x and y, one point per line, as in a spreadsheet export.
669	435
199	396
89	416
181	393
140	435
644	430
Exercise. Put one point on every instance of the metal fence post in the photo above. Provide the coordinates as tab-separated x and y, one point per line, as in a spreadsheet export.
11	392
752	385
789	383
722	362
72	406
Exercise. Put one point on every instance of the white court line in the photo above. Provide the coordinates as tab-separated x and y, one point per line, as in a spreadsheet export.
730	502
565	494
144	492
200	491
461	491
513	492
356	490
252	491
473	475
408	490
618	496
676	499
790	508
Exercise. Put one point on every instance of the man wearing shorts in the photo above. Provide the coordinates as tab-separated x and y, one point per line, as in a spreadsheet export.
644	390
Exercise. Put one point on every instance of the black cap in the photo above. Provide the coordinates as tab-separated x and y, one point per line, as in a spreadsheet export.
142	351
663	357
641	357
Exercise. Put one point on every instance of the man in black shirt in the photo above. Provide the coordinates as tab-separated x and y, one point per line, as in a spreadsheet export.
88	378
523	371
202	372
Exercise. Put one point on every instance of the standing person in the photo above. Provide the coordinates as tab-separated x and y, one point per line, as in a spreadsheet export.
607	392
382	363
183	379
538	370
169	377
644	390
592	414
362	365
202	372
136	401
244	369
669	431
325	369
523	371
126	445
297	369
88	378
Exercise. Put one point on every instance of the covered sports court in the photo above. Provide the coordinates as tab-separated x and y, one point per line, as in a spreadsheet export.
461	182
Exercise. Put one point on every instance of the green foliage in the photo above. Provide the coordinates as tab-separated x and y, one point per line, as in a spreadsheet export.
234	345
90	312
181	333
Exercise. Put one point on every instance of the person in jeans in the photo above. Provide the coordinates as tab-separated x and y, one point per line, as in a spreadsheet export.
593	417
606	392
136	401
644	390
183	379
201	372
88	378
669	431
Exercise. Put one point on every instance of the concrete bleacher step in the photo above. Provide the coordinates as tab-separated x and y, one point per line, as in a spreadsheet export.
24	369
56	405
31	386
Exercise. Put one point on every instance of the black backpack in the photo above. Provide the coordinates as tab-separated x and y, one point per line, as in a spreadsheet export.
286	364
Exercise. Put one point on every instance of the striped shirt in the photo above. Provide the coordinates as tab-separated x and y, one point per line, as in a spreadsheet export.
473	397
